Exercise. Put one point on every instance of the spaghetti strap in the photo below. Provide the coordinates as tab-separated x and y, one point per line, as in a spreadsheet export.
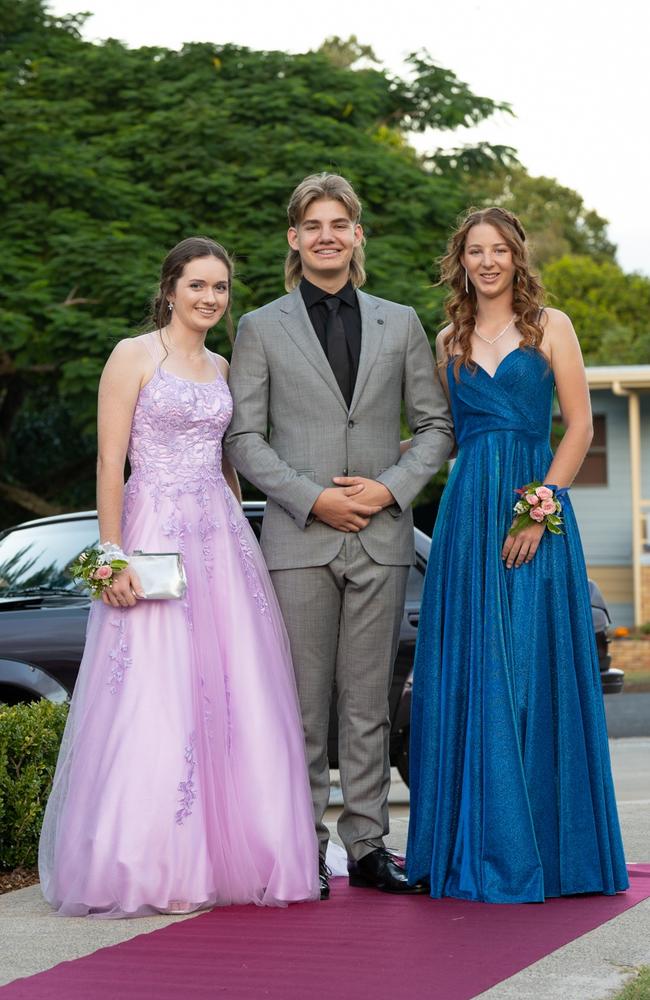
213	358
154	347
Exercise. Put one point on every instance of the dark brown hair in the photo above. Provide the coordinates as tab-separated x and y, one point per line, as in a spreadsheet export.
313	188
527	290
172	268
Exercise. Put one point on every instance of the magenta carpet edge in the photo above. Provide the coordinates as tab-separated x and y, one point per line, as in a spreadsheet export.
357	944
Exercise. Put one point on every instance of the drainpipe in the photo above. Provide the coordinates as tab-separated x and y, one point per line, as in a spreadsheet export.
634	420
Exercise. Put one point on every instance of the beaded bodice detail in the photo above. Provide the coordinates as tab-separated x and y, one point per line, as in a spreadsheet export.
177	430
175	453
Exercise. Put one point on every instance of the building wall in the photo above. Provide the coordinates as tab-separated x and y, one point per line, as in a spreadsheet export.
604	513
617	586
645	447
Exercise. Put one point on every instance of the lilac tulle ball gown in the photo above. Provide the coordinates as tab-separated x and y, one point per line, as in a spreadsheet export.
182	775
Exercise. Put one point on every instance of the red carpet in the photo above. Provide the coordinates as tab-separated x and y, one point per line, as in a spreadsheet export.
360	945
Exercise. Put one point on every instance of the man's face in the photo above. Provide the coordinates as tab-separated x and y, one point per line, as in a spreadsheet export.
325	239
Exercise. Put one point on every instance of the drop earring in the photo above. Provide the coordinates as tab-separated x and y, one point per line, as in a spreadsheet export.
466	283
170	306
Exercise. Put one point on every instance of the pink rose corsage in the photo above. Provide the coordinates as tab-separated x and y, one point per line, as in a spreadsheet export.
538	503
95	568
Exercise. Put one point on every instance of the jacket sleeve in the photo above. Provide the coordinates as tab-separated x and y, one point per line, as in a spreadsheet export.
429	419
246	441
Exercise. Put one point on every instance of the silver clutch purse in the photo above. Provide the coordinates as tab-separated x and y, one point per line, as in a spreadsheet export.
162	574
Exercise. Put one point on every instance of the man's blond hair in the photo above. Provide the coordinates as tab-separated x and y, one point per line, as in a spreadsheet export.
313	188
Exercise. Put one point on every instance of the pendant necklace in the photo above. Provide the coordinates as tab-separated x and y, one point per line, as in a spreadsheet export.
498	336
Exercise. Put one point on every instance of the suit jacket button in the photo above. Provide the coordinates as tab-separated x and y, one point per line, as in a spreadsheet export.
345	472
350	423
380	321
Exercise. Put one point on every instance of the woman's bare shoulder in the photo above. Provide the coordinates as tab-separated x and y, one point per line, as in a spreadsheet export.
555	319
131	350
130	363
558	331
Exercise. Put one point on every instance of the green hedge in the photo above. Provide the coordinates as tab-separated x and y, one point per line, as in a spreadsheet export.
30	736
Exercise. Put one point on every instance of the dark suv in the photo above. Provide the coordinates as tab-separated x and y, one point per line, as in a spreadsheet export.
43	618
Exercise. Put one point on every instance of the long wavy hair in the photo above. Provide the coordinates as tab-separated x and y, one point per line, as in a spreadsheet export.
313	188
461	305
172	268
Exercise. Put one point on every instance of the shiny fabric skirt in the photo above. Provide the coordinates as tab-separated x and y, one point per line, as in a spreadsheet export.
511	790
182	775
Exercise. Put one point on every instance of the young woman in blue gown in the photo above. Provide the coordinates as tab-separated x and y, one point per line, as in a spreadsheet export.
511	790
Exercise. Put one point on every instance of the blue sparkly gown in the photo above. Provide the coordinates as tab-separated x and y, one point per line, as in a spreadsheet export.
511	790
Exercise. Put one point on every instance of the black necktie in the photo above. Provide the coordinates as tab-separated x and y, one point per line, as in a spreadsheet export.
337	348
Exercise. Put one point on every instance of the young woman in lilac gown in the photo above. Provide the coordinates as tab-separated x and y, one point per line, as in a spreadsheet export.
181	781
511	790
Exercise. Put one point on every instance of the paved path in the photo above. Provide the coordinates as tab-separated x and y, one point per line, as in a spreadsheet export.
628	715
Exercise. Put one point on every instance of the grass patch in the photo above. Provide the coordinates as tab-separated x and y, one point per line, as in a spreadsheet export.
636	680
639	988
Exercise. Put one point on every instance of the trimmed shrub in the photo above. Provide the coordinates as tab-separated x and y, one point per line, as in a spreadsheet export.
30	736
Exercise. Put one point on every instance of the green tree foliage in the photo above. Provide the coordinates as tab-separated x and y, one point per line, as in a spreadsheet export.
110	155
346	52
555	217
609	308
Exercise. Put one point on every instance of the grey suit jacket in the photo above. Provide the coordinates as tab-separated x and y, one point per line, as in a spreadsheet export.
291	431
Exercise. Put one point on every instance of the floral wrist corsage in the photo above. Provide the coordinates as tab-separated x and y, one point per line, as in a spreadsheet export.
97	567
539	503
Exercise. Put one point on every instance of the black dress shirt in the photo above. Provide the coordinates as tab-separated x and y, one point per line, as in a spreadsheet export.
314	299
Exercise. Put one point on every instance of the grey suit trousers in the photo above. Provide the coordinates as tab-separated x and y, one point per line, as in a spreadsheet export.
343	621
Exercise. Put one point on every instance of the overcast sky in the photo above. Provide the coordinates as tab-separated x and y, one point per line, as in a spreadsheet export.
576	74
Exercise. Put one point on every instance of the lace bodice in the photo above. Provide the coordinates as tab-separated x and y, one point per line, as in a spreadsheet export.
175	456
178	426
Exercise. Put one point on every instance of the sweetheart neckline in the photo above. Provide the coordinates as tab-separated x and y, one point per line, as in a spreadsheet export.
504	358
484	370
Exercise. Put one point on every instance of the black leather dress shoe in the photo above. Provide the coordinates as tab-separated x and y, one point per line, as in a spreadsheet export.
379	870
324	878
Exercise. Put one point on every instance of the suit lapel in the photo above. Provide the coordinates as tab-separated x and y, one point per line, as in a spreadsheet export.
295	320
373	325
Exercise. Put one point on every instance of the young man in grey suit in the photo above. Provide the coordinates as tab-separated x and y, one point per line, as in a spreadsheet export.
318	378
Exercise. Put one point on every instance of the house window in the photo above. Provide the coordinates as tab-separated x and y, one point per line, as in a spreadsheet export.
594	467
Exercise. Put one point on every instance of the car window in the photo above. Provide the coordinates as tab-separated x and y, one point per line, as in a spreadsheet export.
40	556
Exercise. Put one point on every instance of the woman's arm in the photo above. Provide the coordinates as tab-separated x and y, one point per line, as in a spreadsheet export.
231	478
227	468
562	347
118	393
573	396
